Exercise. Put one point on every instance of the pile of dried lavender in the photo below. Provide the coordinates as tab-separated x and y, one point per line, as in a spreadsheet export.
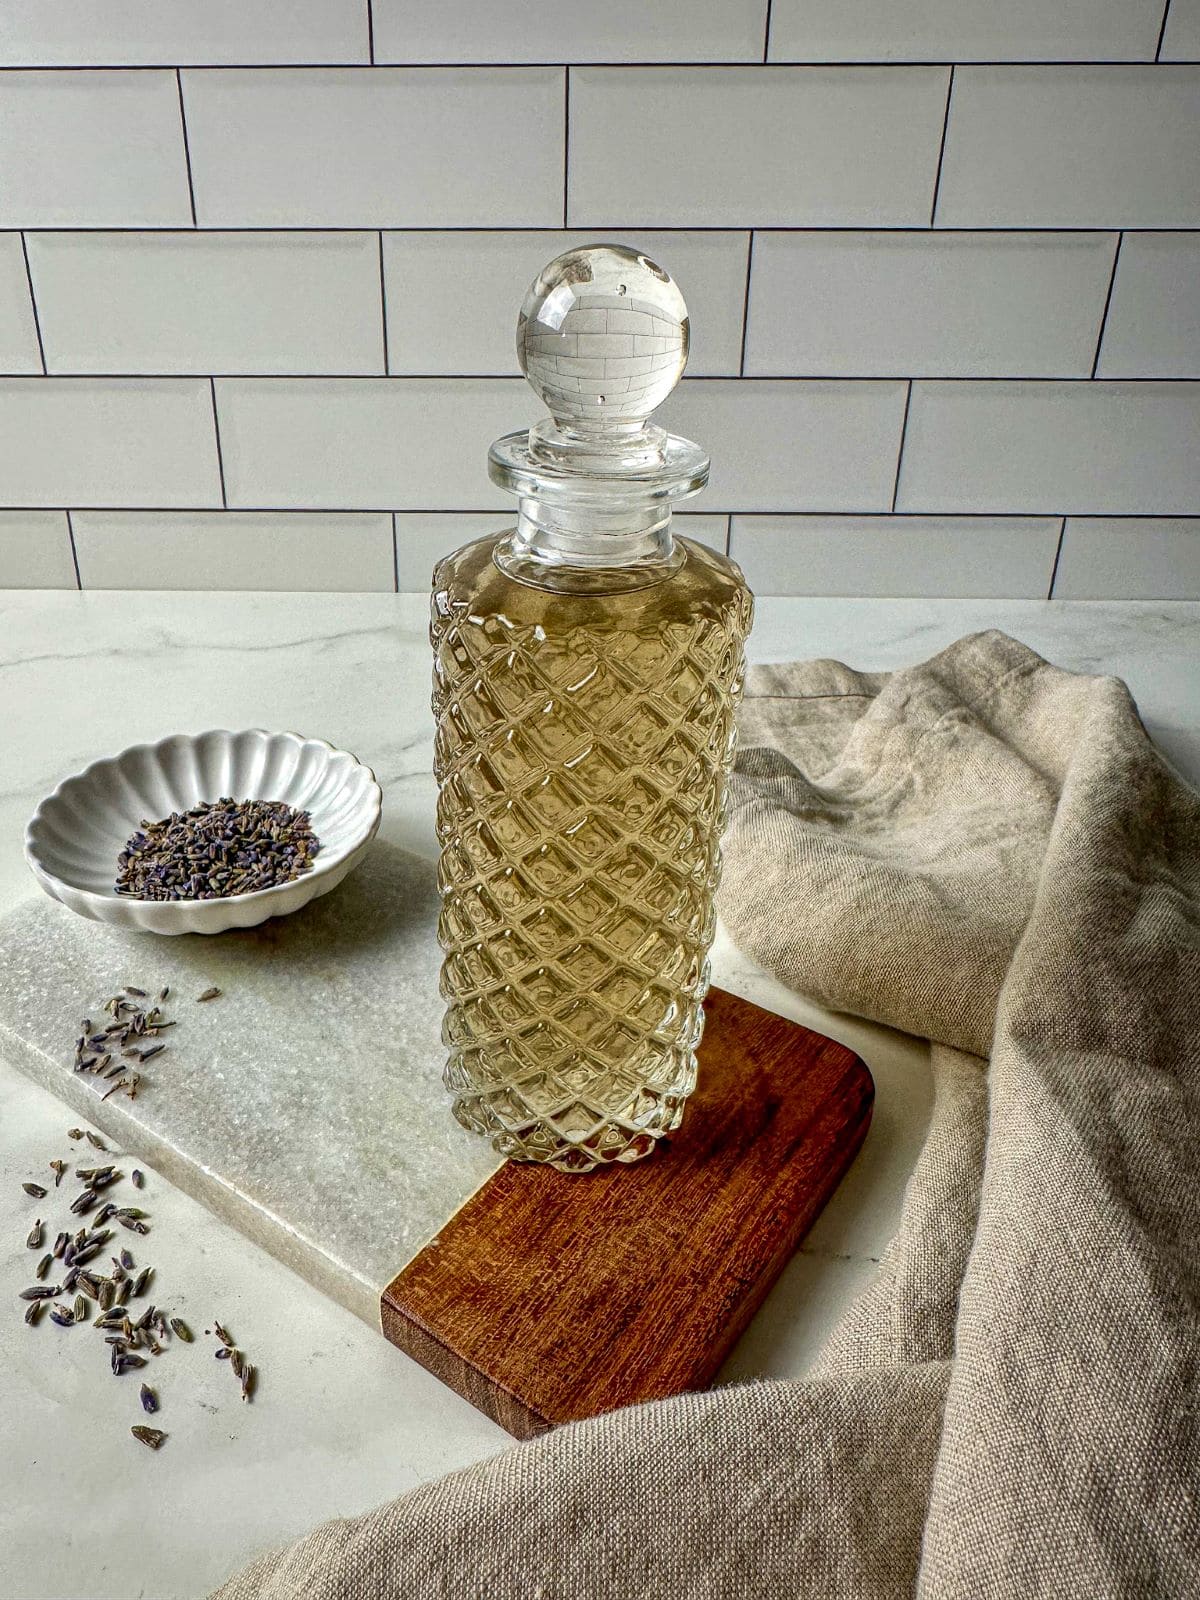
132	1341
131	1032
131	1026
218	848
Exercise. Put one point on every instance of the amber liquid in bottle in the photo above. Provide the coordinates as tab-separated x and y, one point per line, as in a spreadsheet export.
587	667
583	745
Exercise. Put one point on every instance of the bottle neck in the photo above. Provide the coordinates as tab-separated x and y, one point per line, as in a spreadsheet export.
577	549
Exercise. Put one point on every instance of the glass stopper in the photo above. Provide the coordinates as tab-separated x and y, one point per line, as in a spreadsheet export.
603	339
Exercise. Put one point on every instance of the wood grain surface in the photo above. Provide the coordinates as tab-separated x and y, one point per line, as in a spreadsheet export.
551	1296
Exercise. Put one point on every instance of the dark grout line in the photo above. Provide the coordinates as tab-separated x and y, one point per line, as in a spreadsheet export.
734	62
746	305
1062	532
187	154
879	513
395	557
900	447
387	359
370	33
767	36
212	389
919	228
74	551
1162	32
937	181
398	378
566	144
1112	279
37	321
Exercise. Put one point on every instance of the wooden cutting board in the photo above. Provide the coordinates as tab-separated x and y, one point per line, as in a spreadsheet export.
550	1297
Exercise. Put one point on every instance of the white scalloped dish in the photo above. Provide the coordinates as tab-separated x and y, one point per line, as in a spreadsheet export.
75	835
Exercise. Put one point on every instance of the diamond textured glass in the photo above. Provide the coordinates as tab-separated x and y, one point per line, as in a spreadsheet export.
587	667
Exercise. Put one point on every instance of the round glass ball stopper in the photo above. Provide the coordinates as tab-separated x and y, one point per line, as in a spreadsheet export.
603	339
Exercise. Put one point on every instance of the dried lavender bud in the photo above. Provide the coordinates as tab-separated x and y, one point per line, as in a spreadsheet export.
218	848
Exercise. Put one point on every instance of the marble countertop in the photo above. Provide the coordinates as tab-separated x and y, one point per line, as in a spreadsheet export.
342	1420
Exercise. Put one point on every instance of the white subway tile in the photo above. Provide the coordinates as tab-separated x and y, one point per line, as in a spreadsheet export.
149	32
1181	41
424	537
703	527
956	557
792	446
1153	327
234	550
1047	447
91	149
943	304
18	332
453	298
210	302
579	30
97	442
965	30
414	444
1072	146
367	442
1129	558
35	550
377	146
754	146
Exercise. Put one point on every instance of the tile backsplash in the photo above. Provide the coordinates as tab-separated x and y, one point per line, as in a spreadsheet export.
260	264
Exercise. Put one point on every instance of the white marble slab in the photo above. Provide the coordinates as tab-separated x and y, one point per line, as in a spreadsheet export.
305	1103
343	1420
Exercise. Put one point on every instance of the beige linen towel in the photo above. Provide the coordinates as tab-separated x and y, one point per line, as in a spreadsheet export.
987	851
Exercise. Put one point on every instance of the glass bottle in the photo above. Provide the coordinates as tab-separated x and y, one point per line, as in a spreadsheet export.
587	666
